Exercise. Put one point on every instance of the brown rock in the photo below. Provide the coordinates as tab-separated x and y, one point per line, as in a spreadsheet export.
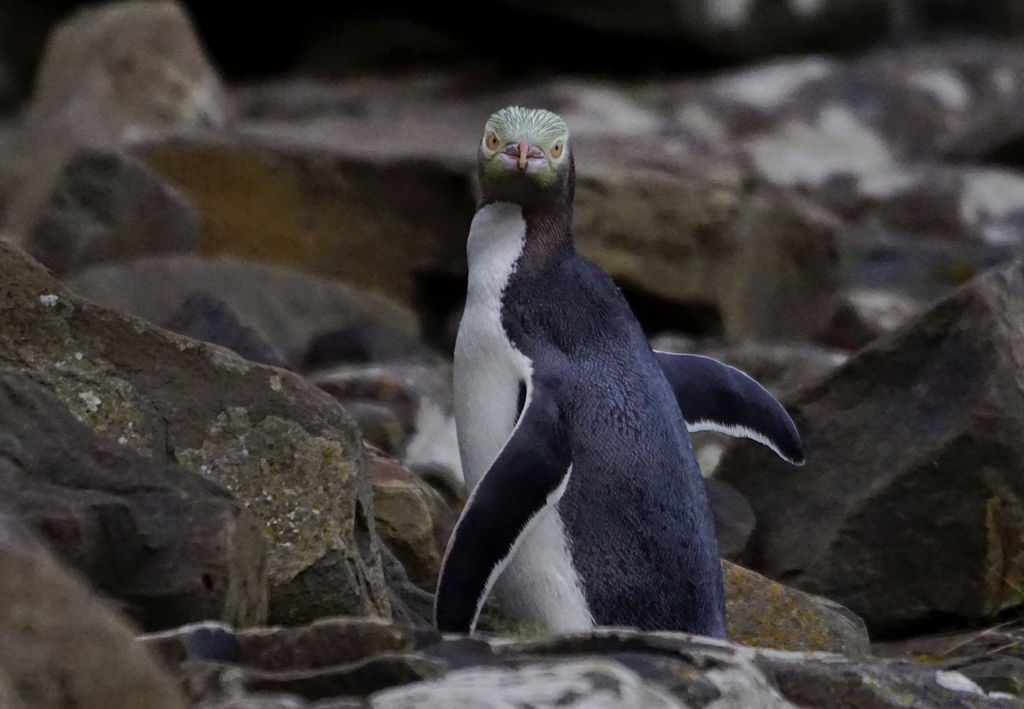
60	646
284	448
763	613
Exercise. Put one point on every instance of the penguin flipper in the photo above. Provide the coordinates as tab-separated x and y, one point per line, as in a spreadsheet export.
716	397
529	474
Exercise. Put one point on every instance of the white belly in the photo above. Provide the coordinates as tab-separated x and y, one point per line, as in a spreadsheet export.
539	586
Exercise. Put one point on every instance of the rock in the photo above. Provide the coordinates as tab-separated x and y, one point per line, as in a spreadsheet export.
814	121
205	318
282	447
108	206
109	73
908	510
412	519
766	614
384	666
420	397
991	657
170	546
60	646
688	240
732	29
576	683
286	308
734	518
814	682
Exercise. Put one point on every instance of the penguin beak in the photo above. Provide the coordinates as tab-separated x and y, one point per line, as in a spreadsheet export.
523	155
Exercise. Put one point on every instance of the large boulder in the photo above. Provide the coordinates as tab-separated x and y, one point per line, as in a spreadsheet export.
171	546
286	308
108	73
908	510
60	645
281	446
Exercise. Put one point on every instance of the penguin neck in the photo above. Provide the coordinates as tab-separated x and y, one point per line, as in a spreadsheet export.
548	235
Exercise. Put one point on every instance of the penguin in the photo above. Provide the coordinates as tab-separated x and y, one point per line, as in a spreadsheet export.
587	506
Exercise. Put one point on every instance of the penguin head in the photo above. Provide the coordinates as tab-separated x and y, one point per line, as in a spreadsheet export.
525	153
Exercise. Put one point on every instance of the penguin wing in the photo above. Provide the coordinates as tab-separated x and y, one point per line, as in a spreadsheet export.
529	474
716	397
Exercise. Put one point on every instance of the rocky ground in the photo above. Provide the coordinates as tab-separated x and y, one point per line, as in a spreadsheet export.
228	464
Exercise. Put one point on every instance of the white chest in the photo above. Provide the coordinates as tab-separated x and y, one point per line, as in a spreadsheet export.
539	585
488	367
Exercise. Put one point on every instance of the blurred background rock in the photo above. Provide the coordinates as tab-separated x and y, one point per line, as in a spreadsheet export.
828	194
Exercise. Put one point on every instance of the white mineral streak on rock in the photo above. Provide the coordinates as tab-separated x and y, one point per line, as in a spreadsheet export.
951	91
989	199
592	683
769	85
956	682
727	14
802	153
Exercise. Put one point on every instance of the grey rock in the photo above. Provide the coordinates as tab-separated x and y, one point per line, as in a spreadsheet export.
203	317
287	309
281	446
596	683
734	518
908	508
169	545
109	206
60	645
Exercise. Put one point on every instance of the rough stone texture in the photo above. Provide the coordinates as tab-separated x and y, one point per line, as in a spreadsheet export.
288	309
351	663
109	206
108	73
908	510
595	683
682	230
412	518
763	613
170	546
285	449
60	646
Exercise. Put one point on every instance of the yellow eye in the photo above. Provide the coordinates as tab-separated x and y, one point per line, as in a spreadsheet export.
556	150
492	141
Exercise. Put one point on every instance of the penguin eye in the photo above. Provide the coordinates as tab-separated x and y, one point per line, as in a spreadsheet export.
491	141
556	150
